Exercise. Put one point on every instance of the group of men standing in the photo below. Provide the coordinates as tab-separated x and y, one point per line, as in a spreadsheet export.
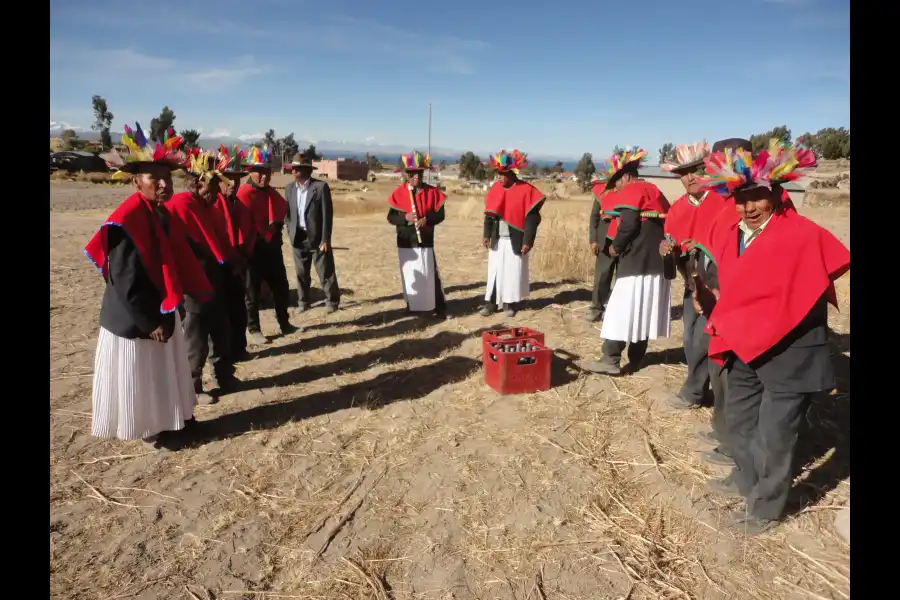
755	320
184	275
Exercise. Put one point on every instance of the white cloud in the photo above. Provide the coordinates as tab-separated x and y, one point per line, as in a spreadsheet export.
370	139
219	133
130	65
251	137
57	127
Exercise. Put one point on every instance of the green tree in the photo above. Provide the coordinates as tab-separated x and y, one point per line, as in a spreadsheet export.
761	141
667	152
289	145
191	138
829	143
311	150
469	166
159	125
584	170
70	139
373	162
102	121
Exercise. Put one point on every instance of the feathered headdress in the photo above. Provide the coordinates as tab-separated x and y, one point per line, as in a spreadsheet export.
414	161
166	151
687	156
201	164
259	157
735	169
621	157
504	162
230	161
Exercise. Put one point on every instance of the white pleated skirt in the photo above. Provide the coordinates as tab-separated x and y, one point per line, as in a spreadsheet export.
638	309
141	387
507	274
418	271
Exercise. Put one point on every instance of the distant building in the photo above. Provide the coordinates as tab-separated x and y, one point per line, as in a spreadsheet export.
344	169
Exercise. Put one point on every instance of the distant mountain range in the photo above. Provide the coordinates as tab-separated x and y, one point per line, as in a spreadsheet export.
327	148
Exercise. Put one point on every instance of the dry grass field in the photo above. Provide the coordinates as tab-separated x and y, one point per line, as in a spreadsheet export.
368	460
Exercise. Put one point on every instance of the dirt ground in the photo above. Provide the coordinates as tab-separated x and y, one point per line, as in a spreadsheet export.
369	460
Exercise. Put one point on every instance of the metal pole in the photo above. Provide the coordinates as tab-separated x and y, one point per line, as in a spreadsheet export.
429	128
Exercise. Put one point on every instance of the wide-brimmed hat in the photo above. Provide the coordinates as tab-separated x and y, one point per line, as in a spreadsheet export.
507	162
142	152
303	159
737	169
259	158
621	160
732	144
230	161
201	165
414	161
688	157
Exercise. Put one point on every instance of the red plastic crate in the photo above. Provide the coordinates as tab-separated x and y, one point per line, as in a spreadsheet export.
515	334
505	375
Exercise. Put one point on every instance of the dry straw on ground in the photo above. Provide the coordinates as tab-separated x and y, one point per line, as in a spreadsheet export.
369	460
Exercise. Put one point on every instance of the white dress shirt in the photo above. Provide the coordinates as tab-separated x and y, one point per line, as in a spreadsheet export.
302	193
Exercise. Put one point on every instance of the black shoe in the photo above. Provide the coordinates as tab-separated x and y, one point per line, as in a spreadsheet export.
302	307
593	315
286	328
228	385
602	367
241	356
256	338
330	308
678	401
487	310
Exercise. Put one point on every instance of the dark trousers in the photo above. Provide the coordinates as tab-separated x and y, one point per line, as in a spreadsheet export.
208	333
604	271
696	351
763	425
612	351
304	260
234	290
718	383
267	264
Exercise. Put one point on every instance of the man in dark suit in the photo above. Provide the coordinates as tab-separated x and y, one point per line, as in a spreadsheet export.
310	214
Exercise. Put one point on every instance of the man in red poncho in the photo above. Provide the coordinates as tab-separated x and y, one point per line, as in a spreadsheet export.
601	231
768	322
512	214
416	208
268	208
142	380
235	219
638	308
207	329
688	219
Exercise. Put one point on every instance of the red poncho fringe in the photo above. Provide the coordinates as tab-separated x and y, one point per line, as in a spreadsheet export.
429	199
643	197
201	225
512	204
235	219
267	206
766	292
686	221
167	259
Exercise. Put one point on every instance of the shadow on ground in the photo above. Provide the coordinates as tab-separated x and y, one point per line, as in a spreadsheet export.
384	389
826	430
401	350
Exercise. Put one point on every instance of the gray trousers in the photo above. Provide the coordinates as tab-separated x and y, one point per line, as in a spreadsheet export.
323	262
696	351
612	351
718	383
763	428
208	333
604	271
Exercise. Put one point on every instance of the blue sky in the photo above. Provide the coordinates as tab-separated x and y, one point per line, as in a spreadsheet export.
551	78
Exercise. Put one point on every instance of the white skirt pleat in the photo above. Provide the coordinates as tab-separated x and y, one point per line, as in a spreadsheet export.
141	387
638	309
417	272
507	273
